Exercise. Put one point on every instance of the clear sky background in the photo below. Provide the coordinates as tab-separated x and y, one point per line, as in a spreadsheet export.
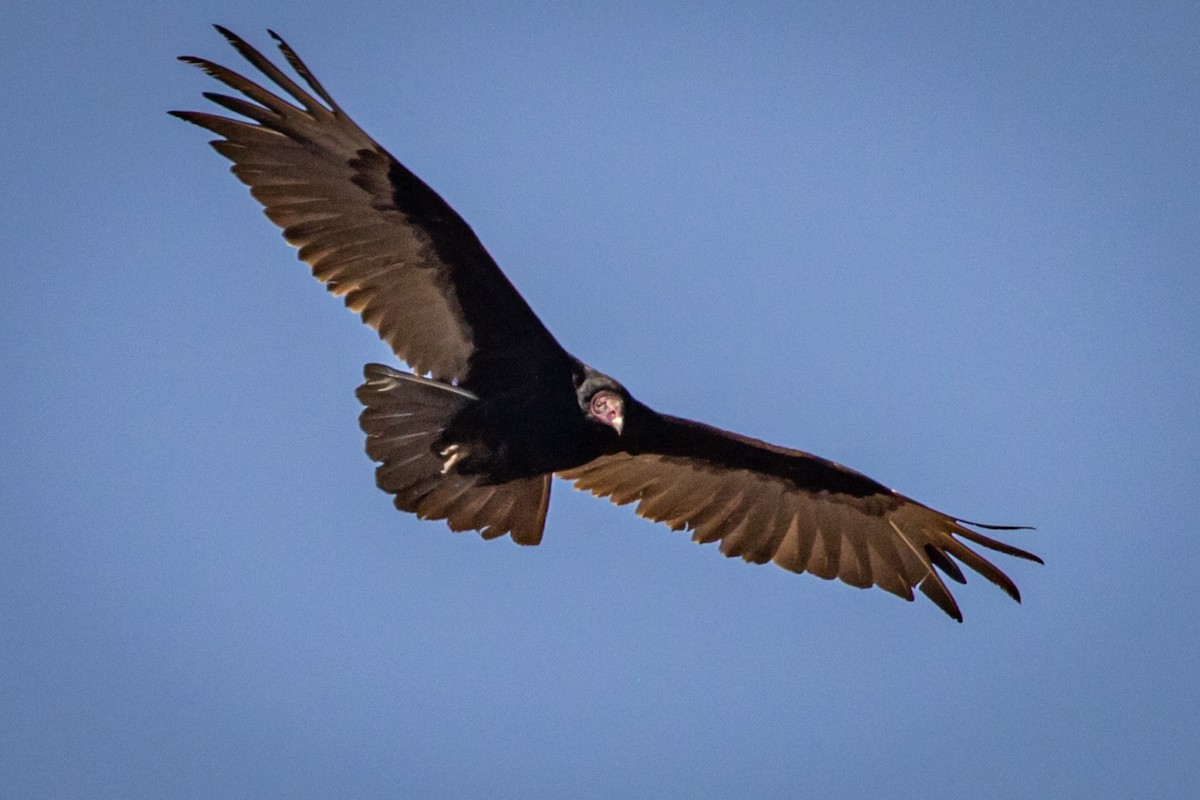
953	245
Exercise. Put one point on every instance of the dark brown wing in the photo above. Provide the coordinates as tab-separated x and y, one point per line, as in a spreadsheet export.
373	232
768	503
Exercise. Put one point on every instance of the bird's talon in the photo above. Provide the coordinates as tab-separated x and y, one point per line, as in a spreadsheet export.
453	455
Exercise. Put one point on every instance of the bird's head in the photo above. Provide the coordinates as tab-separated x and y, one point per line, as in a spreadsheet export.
602	399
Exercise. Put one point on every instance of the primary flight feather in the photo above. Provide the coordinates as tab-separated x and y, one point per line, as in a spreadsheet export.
505	407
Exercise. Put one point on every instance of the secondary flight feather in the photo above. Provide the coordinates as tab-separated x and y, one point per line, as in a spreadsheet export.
505	407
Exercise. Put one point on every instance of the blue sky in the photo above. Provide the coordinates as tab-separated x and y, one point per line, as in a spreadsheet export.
951	245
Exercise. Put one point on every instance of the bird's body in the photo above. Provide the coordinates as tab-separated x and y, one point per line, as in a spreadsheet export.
528	430
505	407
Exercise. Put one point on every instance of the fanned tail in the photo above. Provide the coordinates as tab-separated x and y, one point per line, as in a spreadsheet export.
403	419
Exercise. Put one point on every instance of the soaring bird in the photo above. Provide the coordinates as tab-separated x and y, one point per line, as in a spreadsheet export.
494	406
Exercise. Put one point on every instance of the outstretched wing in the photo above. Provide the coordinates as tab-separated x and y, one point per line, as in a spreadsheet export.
768	503
372	231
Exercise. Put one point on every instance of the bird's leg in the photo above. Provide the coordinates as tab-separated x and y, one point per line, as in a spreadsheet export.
452	454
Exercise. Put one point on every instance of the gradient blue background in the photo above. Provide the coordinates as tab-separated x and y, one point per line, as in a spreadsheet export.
953	245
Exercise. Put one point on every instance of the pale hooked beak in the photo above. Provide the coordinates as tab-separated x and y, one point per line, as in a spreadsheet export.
608	408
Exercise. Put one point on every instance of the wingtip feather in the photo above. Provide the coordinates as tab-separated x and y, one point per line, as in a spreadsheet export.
933	588
978	538
229	35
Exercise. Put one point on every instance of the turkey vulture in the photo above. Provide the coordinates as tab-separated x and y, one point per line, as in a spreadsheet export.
504	407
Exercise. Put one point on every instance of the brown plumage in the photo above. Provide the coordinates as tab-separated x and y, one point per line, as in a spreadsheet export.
505	407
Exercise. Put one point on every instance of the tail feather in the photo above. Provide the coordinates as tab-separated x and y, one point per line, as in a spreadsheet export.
403	419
